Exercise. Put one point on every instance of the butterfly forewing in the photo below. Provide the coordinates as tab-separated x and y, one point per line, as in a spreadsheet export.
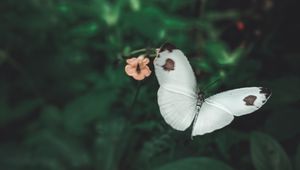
241	101
174	72
219	110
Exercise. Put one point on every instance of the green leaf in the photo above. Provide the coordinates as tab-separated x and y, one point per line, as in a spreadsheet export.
226	139
267	153
112	143
85	109
284	123
297	158
84	30
23	109
3	57
214	15
155	148
195	164
147	22
288	92
135	5
147	125
51	117
219	52
111	12
51	145
13	156
202	64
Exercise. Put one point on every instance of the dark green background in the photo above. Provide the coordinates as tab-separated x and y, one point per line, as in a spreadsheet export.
66	102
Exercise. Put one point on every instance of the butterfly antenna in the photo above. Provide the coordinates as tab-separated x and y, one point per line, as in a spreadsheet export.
210	84
163	44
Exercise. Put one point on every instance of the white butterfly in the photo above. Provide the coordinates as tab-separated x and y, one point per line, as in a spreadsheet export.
180	103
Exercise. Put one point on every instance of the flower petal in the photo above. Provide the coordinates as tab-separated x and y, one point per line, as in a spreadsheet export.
146	61
140	58
139	76
130	70
146	71
132	61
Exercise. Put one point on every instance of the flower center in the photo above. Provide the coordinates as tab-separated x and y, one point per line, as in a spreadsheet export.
138	69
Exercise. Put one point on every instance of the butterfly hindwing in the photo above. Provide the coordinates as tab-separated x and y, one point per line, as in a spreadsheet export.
210	118
178	110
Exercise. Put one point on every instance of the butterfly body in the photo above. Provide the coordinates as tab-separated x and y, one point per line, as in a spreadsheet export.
181	105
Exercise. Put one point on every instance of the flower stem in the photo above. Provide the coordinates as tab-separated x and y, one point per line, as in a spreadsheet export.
138	51
139	85
151	52
25	74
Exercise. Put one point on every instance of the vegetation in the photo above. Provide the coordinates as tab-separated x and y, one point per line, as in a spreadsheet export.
67	103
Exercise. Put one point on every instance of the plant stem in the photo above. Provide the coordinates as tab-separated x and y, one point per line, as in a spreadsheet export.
202	8
145	50
25	75
139	85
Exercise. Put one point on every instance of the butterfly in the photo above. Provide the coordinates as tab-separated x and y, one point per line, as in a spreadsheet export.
182	105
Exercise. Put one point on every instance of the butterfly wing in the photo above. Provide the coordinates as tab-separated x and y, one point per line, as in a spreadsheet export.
218	110
241	101
177	93
178	110
174	72
210	118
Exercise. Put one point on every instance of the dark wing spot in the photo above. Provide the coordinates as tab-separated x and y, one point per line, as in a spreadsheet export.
167	46
169	65
265	91
249	100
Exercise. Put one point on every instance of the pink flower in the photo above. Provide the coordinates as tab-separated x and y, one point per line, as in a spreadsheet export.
137	67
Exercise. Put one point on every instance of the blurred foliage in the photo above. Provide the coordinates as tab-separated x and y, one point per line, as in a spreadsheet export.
266	153
66	102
